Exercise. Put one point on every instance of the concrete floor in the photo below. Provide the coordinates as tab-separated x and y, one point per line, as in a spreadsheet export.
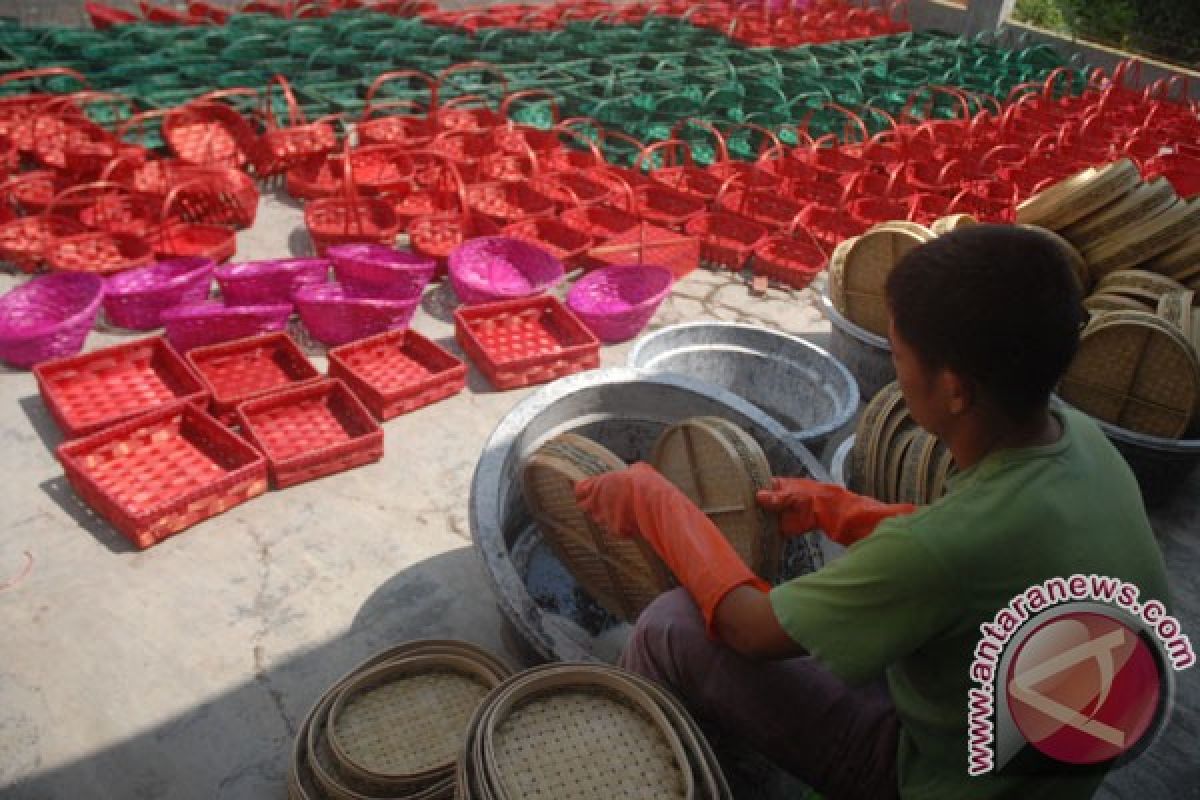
182	671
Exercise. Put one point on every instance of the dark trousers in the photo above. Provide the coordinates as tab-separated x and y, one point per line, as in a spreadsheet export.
838	739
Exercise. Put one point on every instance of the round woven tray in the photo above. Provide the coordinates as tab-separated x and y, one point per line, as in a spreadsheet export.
623	574
1136	371
1144	202
891	428
952	222
1177	260
859	465
896	452
1099	302
914	470
1176	307
1074	198
892	408
1138	284
721	473
943	468
400	724
837	273
1135	245
867	264
558	735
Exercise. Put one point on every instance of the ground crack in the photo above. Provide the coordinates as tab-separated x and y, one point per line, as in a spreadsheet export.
261	610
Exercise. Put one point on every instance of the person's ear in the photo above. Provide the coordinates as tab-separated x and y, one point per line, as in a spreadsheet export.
957	390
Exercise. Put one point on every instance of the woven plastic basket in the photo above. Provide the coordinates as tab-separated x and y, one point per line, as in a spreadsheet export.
242	369
49	317
89	392
270	281
311	431
209	323
375	269
334	314
160	473
350	218
616	303
397	372
137	298
494	268
526	341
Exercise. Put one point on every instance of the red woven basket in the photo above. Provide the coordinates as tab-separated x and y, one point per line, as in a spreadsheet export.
88	392
554	236
789	260
243	369
506	203
207	132
647	244
524	342
397	372
311	431
163	472
350	218
283	147
684	177
726	240
101	252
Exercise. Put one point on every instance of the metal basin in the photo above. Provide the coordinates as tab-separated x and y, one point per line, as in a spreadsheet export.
867	356
625	410
791	379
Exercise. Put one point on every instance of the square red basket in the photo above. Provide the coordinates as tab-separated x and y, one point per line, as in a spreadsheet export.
397	371
243	369
647	244
311	431
162	472
89	392
522	342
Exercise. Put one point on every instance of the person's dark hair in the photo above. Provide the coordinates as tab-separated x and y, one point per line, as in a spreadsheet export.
997	304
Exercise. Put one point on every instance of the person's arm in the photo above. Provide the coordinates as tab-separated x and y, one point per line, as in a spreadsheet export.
746	622
846	517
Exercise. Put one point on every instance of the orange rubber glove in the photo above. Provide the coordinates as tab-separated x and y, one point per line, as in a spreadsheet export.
638	501
845	516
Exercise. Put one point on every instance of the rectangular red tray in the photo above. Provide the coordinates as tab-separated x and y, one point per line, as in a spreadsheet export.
397	371
524	342
162	472
311	431
243	369
90	392
647	244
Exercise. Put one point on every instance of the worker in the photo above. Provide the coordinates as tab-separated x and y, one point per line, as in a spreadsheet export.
855	677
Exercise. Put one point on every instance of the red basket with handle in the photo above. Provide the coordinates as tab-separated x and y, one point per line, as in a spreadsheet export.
726	240
647	244
790	259
103	16
311	431
89	392
554	236
244	369
350	218
207	132
163	472
527	341
180	237
408	130
679	172
396	372
763	206
17	109
283	147
449	222
506	203
97	251
23	241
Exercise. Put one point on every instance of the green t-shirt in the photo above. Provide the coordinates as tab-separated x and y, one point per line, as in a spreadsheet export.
908	600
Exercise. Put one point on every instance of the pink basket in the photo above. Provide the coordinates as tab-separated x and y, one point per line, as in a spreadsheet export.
493	268
378	270
269	282
137	298
48	317
617	302
209	323
335	314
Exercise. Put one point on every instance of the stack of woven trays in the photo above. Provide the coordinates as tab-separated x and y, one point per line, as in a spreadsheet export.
393	726
576	731
893	459
713	462
1138	365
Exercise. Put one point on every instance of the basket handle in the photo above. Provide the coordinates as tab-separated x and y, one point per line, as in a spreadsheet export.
800	221
76	103
851	118
460	186
669	146
218	95
506	104
905	115
468	66
776	144
1051	82
44	72
296	116
565	127
383	78
80	188
624	186
410	105
722	150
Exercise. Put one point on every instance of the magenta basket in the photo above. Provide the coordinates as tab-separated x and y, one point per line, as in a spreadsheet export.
617	302
269	282
209	323
49	317
137	298
379	270
493	268
335	314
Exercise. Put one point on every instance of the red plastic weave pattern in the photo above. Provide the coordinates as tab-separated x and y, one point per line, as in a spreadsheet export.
92	391
158	474
397	372
311	431
239	370
524	342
